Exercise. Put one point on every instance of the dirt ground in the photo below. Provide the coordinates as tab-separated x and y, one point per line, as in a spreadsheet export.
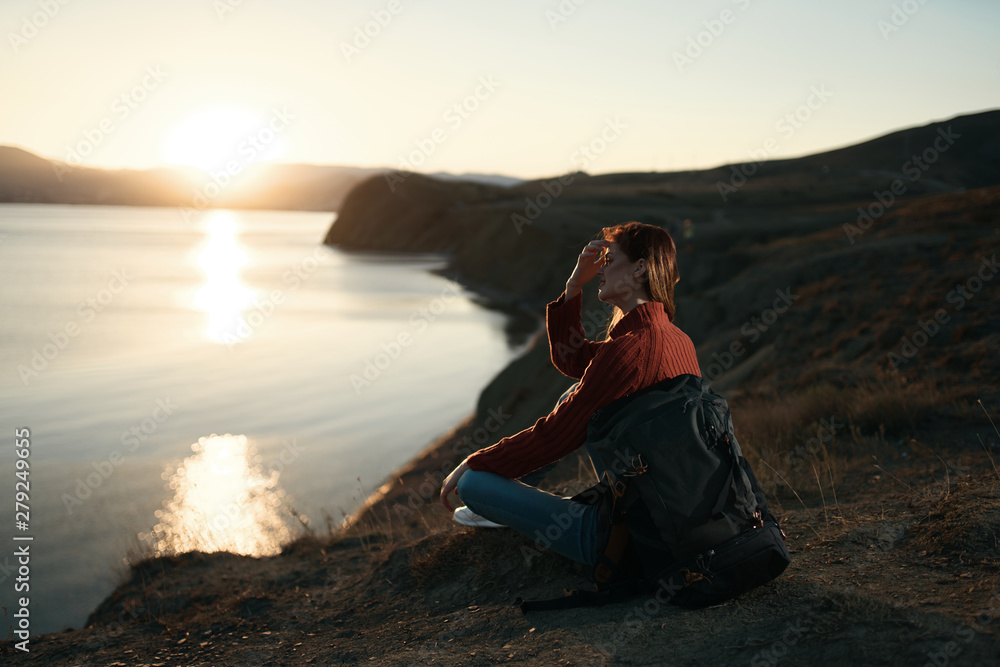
900	567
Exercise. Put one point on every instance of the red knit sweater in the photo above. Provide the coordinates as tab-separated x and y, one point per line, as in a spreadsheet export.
644	348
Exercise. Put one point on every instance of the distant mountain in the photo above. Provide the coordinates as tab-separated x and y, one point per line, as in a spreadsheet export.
25	177
293	187
28	178
488	179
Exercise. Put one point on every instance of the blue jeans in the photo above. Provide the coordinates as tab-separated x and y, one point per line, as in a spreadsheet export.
568	528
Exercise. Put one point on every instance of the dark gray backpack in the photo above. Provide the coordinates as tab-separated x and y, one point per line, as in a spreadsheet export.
682	513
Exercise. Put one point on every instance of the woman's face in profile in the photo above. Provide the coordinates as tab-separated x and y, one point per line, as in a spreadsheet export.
618	282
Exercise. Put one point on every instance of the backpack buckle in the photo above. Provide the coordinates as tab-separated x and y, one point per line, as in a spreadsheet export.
637	467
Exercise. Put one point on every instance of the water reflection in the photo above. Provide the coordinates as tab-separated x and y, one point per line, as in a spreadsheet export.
221	502
224	296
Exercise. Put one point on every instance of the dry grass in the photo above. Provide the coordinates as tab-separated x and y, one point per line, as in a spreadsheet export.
814	436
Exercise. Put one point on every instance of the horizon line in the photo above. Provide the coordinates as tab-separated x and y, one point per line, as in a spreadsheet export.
382	168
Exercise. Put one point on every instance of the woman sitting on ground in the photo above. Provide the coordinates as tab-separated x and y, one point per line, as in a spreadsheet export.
636	265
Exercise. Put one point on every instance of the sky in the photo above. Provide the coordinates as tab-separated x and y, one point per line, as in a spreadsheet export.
523	88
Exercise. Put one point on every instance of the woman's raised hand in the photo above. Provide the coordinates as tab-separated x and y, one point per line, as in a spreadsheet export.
590	260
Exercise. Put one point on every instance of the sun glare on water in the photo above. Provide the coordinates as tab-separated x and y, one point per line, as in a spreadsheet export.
223	501
224	297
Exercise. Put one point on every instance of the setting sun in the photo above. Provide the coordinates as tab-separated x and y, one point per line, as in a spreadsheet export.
211	138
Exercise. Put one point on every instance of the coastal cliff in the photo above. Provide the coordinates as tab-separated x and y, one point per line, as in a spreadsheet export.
840	332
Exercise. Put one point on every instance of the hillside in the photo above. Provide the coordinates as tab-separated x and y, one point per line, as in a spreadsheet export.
893	520
861	367
496	235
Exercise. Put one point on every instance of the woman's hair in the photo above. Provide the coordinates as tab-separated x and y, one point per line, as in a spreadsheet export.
653	244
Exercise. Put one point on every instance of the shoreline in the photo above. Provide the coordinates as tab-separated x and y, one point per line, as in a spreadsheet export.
82	535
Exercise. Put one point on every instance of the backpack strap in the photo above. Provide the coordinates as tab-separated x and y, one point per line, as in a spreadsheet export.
579	598
738	480
609	563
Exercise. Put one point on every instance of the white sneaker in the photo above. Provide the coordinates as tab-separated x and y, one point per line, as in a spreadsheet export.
467	517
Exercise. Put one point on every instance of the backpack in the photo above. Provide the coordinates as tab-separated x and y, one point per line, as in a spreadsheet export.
682	513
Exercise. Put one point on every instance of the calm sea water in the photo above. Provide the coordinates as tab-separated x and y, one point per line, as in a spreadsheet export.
193	385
